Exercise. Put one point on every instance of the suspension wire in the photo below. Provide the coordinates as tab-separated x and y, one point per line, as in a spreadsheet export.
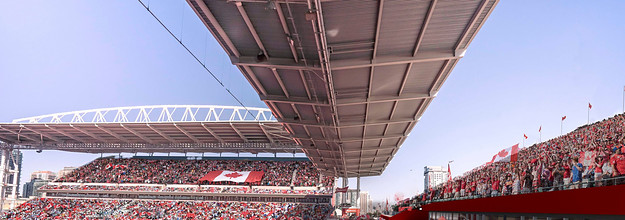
247	111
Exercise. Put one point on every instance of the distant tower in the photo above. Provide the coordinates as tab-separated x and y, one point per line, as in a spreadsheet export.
433	175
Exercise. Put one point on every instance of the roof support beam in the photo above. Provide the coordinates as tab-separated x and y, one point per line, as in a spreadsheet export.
92	135
342	101
287	32
136	133
465	33
280	82
185	132
387	147
393	60
424	27
345	124
377	99
266	133
6	139
20	135
220	31
213	133
159	132
292	100
238	132
42	134
356	139
119	137
254	79
250	26
66	134
274	62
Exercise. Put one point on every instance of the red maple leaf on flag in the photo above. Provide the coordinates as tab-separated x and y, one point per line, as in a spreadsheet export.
525	136
233	175
503	153
589	106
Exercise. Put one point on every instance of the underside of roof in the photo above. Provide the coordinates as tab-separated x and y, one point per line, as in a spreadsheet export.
348	79
163	128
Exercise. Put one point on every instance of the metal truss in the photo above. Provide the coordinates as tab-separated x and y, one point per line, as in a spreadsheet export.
157	113
180	147
158	128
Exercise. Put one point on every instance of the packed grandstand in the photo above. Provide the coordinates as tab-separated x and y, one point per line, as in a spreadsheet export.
590	156
176	188
46	208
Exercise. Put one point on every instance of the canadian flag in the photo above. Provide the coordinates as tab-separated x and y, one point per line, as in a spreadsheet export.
507	155
233	176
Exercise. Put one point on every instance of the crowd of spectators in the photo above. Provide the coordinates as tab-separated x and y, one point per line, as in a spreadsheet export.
46	208
202	189
551	165
134	170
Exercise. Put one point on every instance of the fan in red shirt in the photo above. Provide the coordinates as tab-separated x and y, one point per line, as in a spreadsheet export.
618	163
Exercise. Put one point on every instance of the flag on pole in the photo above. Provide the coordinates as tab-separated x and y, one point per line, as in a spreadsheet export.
506	155
540	128
563	117
449	173
525	136
589	106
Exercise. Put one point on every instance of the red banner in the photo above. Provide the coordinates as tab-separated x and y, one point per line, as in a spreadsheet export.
341	190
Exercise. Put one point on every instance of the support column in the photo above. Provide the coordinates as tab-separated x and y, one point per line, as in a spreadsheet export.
358	193
344	197
16	174
3	173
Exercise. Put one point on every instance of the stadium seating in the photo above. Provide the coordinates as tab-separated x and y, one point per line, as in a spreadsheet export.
134	170
46	208
590	156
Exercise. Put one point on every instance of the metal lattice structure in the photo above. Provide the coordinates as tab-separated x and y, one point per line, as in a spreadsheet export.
349	79
160	128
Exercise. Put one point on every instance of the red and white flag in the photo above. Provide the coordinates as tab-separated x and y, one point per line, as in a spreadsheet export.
563	117
233	176
589	106
540	128
507	155
525	136
586	158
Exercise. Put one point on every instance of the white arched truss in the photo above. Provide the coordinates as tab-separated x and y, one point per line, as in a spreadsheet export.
158	128
156	113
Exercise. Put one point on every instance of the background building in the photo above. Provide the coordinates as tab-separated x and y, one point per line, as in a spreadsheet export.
365	203
32	188
37	179
43	175
434	175
65	171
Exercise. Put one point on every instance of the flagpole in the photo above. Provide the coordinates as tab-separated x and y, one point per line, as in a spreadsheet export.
561	122
588	122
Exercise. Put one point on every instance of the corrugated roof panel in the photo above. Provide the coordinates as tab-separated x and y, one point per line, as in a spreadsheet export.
449	20
401	24
234	26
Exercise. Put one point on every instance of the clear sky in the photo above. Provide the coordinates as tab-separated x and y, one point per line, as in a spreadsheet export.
532	63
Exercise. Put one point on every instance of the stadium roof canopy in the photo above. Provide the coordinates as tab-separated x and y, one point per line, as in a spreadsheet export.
163	128
349	79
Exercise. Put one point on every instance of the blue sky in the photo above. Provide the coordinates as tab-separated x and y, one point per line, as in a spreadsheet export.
531	63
